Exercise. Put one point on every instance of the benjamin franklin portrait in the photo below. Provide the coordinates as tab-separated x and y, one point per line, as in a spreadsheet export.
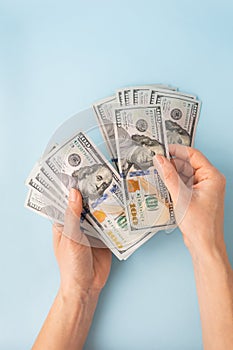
137	151
91	181
176	134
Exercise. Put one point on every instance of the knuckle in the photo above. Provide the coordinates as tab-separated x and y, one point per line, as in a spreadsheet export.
197	151
219	178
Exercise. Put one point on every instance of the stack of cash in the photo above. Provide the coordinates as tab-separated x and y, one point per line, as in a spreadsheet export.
125	202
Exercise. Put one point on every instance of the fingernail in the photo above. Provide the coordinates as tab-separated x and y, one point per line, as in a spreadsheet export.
159	158
73	195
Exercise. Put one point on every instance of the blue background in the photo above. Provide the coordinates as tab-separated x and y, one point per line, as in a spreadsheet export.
56	58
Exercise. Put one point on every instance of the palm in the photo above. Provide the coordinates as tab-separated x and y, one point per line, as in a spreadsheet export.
102	258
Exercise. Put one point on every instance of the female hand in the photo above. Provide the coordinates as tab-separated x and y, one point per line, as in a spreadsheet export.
197	189
82	267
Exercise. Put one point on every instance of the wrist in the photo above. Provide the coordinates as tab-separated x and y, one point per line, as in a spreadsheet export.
209	250
76	309
210	263
78	294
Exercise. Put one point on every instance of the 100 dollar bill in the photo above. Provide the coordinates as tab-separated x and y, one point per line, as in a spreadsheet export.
104	111
43	206
78	164
140	134
137	95
180	114
41	183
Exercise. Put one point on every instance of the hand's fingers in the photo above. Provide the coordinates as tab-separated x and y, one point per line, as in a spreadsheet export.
183	167
203	169
190	182
184	178
72	218
168	174
184	170
181	195
190	155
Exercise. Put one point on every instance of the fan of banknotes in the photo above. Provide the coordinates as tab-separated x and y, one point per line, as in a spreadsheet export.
125	202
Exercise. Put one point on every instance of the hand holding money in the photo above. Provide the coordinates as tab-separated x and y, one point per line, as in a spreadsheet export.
197	225
125	202
82	268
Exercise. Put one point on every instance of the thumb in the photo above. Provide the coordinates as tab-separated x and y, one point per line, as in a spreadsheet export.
181	195
75	202
72	217
169	175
